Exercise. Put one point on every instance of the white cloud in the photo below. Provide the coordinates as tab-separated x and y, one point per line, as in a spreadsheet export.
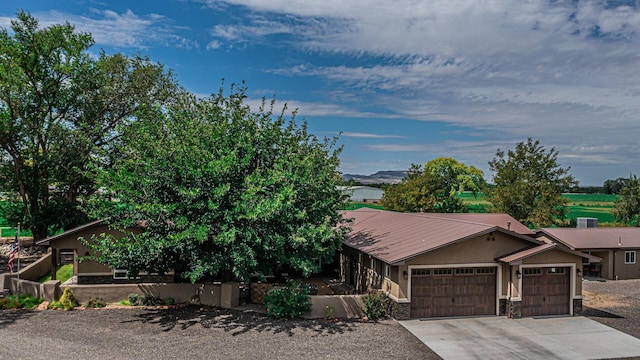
371	136
125	30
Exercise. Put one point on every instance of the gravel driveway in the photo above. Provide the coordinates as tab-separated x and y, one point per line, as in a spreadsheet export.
613	303
194	333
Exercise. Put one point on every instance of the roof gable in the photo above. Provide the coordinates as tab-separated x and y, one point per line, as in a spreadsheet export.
48	240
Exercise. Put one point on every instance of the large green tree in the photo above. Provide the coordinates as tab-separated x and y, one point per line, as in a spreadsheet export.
627	206
529	183
60	108
222	190
434	188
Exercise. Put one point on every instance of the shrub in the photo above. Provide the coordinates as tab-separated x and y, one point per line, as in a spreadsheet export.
134	299
169	301
152	301
287	302
68	299
95	303
374	305
19	302
328	312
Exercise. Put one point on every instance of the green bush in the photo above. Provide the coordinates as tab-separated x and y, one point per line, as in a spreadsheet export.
287	302
95	303
19	302
134	299
169	301
68	299
375	305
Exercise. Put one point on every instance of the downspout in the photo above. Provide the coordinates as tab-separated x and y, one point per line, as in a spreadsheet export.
510	293
613	272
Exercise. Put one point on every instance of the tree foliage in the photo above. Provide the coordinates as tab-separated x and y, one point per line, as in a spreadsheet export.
222	190
529	183
59	109
614	186
434	188
627	206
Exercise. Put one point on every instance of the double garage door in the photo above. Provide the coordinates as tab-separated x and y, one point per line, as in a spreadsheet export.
453	292
545	291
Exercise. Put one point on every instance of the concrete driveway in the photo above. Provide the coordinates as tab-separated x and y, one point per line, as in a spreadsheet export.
530	338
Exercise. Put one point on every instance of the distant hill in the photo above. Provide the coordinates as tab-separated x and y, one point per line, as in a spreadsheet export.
381	177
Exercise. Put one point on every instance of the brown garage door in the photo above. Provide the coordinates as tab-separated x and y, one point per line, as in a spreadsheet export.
453	292
545	291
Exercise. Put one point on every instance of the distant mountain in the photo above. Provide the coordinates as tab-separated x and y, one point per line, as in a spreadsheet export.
381	177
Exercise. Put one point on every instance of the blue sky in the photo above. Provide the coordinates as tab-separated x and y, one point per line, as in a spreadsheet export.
404	81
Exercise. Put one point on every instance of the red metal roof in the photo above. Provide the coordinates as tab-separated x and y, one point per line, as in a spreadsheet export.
504	221
594	238
395	237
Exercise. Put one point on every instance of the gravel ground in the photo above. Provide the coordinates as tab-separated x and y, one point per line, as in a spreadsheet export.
197	333
614	303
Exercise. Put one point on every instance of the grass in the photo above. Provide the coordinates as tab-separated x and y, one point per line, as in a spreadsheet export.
578	205
63	273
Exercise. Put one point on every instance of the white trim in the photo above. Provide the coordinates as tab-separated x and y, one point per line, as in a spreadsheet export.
447	266
625	257
572	280
398	300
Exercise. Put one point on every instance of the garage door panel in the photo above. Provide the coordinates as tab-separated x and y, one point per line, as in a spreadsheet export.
545	291
454	292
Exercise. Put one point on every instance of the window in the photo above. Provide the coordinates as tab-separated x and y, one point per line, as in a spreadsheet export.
387	271
485	270
420	271
555	270
629	257
442	271
532	271
464	271
372	265
120	274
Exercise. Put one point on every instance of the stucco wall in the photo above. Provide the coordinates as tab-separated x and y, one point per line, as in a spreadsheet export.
625	271
473	251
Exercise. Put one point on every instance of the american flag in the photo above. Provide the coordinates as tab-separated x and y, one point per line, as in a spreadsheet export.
14	252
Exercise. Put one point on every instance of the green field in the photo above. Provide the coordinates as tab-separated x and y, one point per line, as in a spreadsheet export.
578	205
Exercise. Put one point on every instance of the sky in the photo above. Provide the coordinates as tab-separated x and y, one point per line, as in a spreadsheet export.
402	81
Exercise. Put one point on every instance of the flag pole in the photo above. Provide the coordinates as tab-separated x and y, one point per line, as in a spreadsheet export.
18	256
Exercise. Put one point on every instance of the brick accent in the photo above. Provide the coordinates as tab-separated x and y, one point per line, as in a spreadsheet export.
257	291
502	307
398	311
577	307
515	309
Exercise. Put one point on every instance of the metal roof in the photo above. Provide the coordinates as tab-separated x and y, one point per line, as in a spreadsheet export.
504	221
48	240
394	237
595	238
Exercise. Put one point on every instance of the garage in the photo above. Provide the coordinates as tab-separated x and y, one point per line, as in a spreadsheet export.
545	291
443	292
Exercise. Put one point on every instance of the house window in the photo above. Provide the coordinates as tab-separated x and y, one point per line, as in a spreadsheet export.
532	271
372	264
420	272
629	257
387	271
120	274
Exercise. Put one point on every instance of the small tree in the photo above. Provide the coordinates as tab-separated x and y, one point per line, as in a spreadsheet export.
529	183
627	206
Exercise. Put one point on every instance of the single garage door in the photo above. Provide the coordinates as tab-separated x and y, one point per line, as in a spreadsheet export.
545	291
453	292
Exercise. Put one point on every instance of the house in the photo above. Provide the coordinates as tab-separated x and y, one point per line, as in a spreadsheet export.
362	194
441	265
618	248
66	248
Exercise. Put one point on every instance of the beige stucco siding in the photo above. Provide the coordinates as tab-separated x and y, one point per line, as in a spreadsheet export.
474	251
